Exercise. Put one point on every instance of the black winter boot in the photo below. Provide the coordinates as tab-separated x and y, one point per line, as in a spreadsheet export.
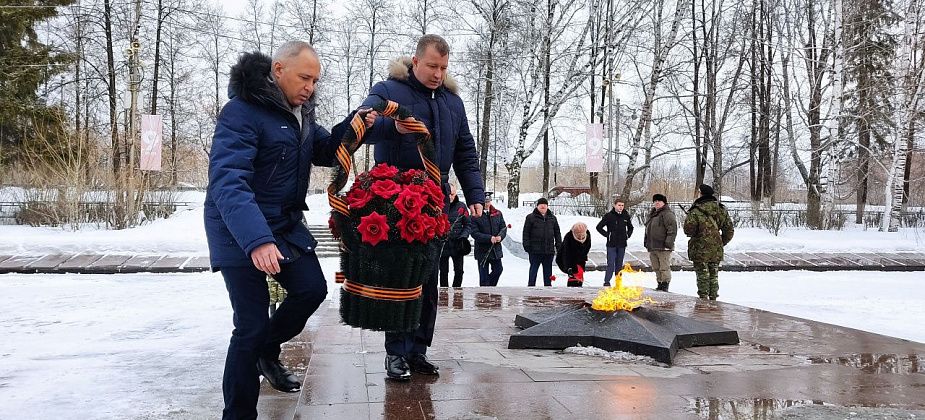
662	286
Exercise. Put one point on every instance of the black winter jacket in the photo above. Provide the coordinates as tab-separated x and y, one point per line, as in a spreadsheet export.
616	227
541	233
573	253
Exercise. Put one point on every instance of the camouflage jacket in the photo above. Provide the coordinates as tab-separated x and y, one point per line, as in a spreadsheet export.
709	228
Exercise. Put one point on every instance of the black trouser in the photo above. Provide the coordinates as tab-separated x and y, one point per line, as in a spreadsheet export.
256	333
445	270
490	272
535	261
417	341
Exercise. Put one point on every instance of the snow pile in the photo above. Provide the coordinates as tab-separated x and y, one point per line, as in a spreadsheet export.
617	356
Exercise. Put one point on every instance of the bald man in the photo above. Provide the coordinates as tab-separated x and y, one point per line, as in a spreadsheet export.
265	143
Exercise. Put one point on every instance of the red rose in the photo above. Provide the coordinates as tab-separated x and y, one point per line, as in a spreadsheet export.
411	228
383	171
435	194
357	198
462	211
409	202
430	228
443	225
552	277
374	228
411	175
508	225
385	188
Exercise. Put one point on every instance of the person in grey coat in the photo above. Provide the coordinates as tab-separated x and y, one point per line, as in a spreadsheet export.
661	231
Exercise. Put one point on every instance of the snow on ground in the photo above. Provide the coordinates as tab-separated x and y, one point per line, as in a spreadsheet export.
183	234
119	346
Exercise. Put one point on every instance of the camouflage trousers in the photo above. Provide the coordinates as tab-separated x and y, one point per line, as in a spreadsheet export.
707	279
661	265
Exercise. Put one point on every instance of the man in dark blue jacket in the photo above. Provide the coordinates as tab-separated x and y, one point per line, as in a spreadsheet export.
421	84
488	232
265	143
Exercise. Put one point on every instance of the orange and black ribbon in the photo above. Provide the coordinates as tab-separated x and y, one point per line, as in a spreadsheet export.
382	293
353	139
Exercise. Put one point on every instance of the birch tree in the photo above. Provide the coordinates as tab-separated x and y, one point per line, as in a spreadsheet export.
911	70
642	141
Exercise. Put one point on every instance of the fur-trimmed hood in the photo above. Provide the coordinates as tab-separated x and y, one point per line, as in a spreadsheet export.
250	80
400	69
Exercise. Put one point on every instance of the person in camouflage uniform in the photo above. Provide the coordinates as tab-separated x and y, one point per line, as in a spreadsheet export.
710	229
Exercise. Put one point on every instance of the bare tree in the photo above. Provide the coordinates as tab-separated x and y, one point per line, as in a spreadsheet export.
662	45
911	66
540	20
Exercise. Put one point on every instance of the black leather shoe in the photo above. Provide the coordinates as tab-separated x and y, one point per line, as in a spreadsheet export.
420	364
397	368
277	375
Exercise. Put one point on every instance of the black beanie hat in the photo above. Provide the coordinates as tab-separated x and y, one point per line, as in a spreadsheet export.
660	197
706	189
542	200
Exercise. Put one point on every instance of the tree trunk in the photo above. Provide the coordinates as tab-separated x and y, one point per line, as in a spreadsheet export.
157	56
111	76
485	129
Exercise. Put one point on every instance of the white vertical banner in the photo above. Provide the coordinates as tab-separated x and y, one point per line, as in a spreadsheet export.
594	153
151	143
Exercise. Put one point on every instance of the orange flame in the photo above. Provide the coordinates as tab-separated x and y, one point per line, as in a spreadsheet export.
618	297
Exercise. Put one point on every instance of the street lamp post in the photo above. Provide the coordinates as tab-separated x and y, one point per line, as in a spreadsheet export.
613	138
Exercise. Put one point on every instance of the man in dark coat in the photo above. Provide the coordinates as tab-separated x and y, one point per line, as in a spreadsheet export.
573	255
541	239
617	227
264	145
710	229
422	85
488	232
457	244
661	231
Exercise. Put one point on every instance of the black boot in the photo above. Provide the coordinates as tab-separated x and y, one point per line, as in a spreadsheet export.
662	286
278	376
420	364
397	368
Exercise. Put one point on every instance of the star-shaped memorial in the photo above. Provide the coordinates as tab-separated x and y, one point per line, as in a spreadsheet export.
642	331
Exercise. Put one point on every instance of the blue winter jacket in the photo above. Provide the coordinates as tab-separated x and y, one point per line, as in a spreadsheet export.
259	169
443	112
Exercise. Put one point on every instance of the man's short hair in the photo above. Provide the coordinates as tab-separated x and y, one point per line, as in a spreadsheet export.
618	199
292	49
436	41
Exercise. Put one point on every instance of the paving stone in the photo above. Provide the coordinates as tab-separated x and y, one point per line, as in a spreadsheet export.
107	264
196	264
78	263
139	263
767	260
18	264
49	263
637	259
167	265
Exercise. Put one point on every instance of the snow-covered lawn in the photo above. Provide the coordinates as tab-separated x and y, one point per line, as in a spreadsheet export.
120	346
183	234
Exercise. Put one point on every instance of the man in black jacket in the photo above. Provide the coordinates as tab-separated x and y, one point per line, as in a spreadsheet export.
541	240
457	244
617	227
